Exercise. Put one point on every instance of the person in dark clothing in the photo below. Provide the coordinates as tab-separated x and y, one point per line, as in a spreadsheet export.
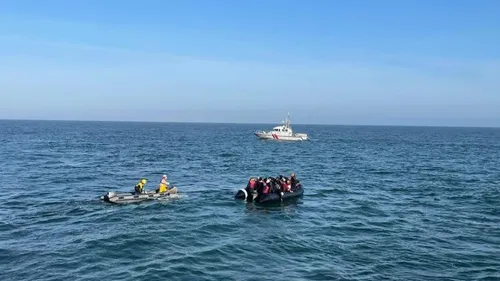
139	187
295	187
275	186
293	180
259	185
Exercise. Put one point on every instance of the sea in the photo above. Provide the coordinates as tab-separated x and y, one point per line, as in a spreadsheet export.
380	203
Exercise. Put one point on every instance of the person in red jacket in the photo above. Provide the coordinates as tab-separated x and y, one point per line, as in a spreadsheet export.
266	188
252	185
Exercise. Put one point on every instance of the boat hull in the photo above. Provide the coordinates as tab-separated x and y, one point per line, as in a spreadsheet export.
271	136
275	198
130	197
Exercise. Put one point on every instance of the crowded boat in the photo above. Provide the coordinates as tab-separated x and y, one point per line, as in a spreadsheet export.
271	189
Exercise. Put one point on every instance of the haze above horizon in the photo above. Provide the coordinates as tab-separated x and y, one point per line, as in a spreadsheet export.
430	63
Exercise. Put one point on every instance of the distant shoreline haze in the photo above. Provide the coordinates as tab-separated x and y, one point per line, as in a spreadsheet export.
265	125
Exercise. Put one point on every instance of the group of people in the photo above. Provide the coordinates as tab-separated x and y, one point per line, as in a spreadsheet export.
261	185
162	187
280	184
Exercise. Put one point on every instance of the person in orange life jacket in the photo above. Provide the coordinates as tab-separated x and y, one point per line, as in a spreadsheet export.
279	183
288	186
282	185
251	186
266	188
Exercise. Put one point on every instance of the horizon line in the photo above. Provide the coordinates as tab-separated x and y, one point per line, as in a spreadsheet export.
247	123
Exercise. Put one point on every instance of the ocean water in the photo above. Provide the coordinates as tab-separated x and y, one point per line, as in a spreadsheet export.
380	203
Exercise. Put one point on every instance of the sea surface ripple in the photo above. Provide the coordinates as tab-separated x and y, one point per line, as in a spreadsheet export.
381	203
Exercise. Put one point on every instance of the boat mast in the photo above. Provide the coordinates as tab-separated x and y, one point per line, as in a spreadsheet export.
287	121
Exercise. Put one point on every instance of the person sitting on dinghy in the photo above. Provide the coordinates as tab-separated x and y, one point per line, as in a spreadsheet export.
259	185
251	186
163	185
288	186
139	187
266	187
275	186
293	179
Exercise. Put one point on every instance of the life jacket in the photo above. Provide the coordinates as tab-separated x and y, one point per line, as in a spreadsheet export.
266	189
163	188
252	185
139	187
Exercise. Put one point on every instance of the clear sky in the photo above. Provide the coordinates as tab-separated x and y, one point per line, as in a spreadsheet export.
410	62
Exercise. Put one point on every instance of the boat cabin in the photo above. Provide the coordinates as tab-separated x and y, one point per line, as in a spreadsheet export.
281	129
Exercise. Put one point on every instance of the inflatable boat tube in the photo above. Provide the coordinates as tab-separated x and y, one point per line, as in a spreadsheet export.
245	195
131	197
275	197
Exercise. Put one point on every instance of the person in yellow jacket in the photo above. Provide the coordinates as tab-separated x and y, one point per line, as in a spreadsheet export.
139	187
163	187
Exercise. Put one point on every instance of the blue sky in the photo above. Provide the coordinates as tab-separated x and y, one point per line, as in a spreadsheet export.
328	62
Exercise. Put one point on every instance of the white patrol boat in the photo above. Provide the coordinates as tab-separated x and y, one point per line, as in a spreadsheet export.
283	132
